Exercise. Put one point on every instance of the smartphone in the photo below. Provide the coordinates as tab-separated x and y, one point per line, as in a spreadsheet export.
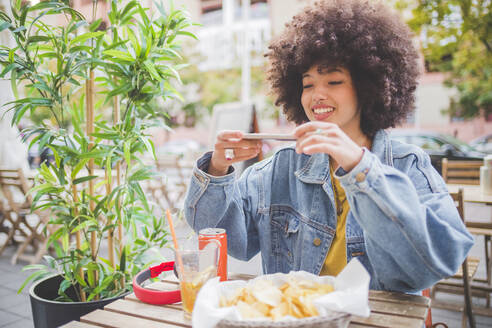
273	136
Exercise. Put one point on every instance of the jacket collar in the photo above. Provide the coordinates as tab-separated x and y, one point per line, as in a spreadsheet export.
317	168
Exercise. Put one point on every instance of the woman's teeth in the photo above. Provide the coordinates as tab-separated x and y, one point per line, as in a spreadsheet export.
323	110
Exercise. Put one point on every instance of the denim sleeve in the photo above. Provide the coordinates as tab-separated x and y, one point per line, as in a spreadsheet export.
414	235
224	202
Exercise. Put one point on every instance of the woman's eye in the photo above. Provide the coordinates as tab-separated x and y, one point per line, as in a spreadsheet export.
307	86
335	82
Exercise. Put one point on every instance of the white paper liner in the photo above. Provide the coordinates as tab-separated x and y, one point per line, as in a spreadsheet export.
351	295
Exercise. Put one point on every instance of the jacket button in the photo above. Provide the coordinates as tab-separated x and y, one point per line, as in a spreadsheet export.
317	241
359	177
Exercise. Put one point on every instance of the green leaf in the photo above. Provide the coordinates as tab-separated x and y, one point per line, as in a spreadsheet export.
123	260
46	4
187	34
107	136
22	20
78	167
12	54
42	86
90	277
19	113
19	29
79	279
151	69
127	8
109	172
32	278
65	241
95	24
13	83
134	41
65	284
38	38
107	280
126	151
84	225
126	87
84	179
94	154
119	54
4	25
86	36
106	261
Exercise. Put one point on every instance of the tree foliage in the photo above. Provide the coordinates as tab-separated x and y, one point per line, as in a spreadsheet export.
456	37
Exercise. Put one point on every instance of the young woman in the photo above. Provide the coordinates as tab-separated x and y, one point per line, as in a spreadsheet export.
343	71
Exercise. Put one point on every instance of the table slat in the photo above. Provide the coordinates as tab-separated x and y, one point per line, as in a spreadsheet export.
109	319
387	321
411	311
159	313
133	298
384	296
77	324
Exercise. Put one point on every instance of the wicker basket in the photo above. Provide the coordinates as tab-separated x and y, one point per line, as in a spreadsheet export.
333	320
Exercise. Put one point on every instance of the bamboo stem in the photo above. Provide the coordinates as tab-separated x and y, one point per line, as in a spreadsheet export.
89	131
78	242
109	222
116	120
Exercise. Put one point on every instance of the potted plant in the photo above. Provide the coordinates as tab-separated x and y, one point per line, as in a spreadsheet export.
98	89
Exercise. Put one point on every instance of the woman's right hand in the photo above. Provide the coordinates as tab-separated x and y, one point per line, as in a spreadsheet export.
241	150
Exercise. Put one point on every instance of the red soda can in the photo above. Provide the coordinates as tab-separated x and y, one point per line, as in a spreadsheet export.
204	237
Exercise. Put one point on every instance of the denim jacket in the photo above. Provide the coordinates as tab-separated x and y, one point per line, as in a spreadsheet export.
402	225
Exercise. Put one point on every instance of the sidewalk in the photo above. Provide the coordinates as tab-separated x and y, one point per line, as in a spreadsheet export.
15	309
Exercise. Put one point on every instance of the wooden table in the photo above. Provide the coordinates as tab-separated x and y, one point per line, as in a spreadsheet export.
471	193
387	310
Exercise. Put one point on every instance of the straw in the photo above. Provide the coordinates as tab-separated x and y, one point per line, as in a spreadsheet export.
175	240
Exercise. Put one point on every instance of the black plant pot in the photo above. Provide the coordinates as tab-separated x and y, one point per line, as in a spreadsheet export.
47	313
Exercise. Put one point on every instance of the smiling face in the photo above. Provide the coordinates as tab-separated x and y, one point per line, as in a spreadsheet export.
328	95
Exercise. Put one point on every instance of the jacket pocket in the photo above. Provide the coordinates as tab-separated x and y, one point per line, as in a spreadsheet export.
285	235
296	244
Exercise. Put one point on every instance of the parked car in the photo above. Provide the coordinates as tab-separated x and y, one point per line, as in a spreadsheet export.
438	146
483	144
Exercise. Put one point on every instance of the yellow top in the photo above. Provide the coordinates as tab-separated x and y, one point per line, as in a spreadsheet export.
336	259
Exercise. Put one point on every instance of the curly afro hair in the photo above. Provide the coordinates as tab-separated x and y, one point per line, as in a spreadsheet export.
365	37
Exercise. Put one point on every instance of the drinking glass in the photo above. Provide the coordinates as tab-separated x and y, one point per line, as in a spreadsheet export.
196	268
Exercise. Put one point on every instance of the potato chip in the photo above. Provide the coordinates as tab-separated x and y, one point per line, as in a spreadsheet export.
280	311
247	311
263	299
265	291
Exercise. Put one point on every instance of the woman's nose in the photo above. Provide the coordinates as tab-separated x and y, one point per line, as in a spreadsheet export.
319	94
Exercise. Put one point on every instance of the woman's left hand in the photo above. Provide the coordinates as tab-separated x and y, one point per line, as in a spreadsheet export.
328	138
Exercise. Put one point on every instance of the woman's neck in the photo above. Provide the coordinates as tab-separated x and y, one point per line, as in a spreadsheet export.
360	138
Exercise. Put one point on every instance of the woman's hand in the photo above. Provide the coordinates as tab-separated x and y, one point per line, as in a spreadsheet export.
241	150
328	138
